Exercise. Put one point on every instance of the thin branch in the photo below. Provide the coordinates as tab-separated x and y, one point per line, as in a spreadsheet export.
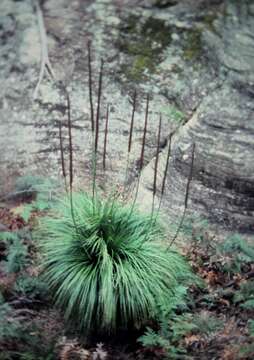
186	197
105	139
45	62
90	86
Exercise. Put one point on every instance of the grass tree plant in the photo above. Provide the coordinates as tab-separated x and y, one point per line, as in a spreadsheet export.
109	270
106	263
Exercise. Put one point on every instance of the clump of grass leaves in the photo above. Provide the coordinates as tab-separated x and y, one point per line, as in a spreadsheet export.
107	267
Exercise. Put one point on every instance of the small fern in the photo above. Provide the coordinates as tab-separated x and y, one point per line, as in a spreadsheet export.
8	236
238	251
206	323
245	294
172	327
251	327
17	258
42	190
153	339
248	304
10	328
30	185
31	287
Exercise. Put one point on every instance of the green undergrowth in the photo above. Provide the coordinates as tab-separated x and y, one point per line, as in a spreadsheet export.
200	316
180	322
23	293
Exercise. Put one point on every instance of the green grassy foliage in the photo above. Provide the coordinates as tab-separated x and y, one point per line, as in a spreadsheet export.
110	270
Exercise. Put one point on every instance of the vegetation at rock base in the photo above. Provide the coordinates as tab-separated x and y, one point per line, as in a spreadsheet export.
190	325
109	270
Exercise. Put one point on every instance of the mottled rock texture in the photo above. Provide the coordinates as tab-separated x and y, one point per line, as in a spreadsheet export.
222	127
195	58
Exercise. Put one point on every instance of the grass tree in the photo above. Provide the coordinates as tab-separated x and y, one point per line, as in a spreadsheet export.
107	264
110	269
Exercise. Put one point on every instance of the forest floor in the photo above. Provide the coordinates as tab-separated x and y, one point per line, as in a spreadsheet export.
216	321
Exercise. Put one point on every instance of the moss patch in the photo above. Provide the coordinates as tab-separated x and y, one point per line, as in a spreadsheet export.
209	19
143	43
161	4
193	44
173	113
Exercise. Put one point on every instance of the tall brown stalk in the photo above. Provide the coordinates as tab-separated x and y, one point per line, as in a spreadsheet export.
62	154
97	126
156	163
70	140
130	135
90	79
186	196
164	176
166	167
132	121
98	107
144	135
142	153
105	139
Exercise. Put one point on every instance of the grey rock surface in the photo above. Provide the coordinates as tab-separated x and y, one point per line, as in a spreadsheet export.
195	58
222	128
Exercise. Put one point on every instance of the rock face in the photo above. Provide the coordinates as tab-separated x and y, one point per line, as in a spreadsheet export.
194	58
222	128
